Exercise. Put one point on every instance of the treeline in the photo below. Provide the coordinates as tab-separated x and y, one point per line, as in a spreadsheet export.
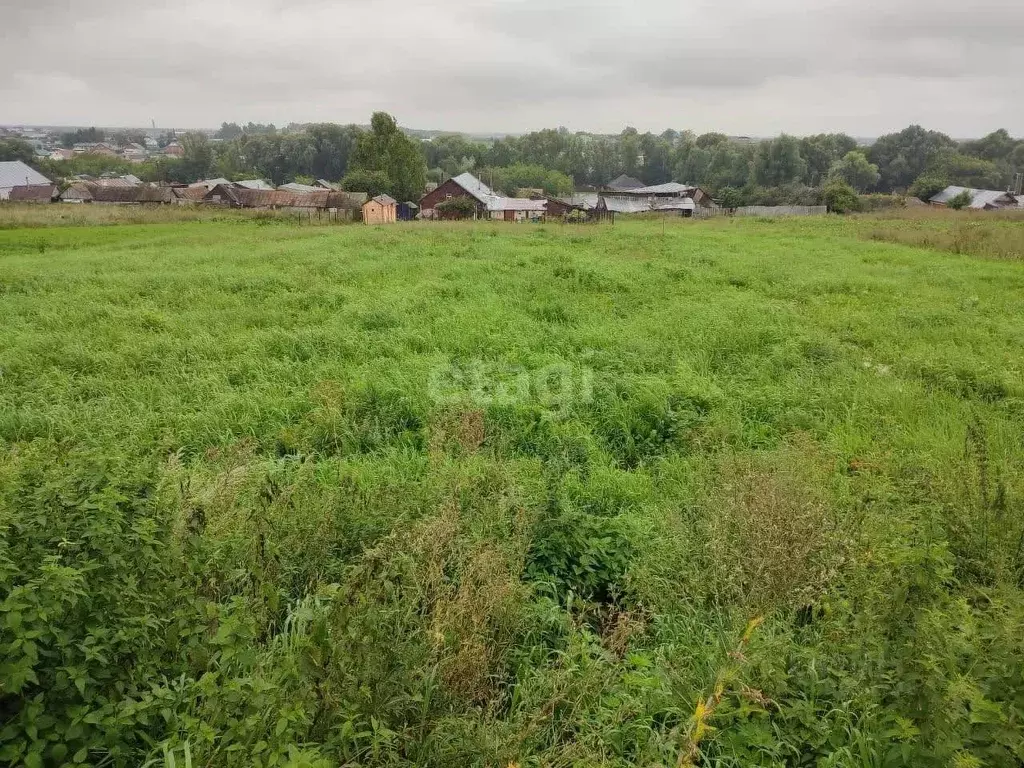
785	169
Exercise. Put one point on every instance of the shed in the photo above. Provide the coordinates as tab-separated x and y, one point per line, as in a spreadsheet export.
381	209
79	192
407	211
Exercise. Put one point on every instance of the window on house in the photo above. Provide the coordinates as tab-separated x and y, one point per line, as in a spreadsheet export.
448	196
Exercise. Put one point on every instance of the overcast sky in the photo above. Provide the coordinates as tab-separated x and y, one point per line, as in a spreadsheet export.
743	67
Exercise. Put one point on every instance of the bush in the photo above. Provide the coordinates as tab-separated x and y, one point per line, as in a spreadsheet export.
840	197
927	185
456	208
961	201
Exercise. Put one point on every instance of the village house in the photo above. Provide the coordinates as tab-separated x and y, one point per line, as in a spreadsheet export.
14	173
981	199
381	209
489	204
341	205
34	193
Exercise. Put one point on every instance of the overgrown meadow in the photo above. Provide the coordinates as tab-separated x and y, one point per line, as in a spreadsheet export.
723	493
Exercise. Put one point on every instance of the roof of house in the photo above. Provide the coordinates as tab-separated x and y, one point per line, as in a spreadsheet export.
77	191
493	201
254	184
516	204
669	188
116	181
34	193
585	200
194	194
14	173
980	198
209	183
296	187
325	184
474	187
101	194
382	200
341	199
624	182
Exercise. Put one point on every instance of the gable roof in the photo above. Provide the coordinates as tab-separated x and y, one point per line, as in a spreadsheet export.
254	184
624	182
474	187
294	186
130	194
668	188
516	204
980	198
194	194
383	200
14	173
34	193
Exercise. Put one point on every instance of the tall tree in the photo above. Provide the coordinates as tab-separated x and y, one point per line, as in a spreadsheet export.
902	157
198	157
856	170
16	149
778	162
386	149
821	152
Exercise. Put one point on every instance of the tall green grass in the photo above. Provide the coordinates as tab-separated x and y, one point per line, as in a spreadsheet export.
723	493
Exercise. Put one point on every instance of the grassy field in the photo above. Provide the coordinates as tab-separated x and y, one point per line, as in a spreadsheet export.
723	493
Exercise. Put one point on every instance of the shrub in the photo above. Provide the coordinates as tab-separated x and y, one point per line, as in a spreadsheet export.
960	201
840	197
456	208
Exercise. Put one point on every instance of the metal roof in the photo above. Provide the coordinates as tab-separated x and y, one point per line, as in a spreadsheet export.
14	173
209	183
516	204
624	182
254	184
296	187
980	198
626	204
669	188
385	200
676	204
633	204
475	187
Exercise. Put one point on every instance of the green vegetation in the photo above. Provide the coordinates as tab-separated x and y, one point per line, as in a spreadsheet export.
781	171
736	492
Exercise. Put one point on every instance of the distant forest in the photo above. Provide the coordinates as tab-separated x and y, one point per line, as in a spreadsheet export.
786	169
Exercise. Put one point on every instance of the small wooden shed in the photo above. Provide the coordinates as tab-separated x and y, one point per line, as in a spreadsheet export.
381	209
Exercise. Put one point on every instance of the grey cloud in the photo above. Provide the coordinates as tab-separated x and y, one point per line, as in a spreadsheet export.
744	67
